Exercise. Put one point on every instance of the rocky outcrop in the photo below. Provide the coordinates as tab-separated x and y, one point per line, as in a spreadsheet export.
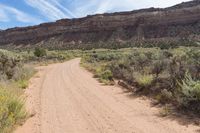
174	23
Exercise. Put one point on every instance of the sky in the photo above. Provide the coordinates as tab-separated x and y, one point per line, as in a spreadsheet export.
20	13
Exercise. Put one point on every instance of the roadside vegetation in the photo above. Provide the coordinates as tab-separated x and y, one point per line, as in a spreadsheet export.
171	76
41	56
16	68
13	79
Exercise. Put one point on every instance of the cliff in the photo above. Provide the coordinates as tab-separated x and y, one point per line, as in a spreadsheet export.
175	23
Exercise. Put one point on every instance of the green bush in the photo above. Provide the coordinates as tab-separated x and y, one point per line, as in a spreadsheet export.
165	96
190	90
107	75
40	52
23	84
12	69
144	80
24	73
9	65
140	61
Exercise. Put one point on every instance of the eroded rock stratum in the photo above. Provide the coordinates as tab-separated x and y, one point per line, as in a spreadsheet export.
180	22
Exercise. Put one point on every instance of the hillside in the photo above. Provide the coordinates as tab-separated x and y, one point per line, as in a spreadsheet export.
174	24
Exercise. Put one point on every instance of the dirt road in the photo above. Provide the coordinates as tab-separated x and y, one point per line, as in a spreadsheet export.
64	98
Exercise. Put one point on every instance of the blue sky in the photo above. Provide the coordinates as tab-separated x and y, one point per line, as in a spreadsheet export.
19	13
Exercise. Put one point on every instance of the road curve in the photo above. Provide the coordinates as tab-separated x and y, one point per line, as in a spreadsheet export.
64	98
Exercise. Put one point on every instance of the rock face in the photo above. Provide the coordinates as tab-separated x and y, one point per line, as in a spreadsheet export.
178	22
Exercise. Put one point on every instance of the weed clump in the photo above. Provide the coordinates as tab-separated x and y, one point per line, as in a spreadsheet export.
12	111
190	90
144	80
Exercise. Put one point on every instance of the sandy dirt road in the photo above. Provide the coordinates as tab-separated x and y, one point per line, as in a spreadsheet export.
64	98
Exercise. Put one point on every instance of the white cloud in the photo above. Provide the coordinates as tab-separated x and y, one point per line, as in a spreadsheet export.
51	9
164	3
59	5
3	16
7	12
102	6
58	9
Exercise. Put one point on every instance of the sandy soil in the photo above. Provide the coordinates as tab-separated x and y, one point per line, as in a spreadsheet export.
64	98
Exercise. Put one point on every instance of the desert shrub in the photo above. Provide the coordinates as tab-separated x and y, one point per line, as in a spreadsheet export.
165	96
190	90
39	52
104	75
141	61
12	69
177	69
12	111
158	67
193	58
23	84
24	73
110	56
144	80
9	66
107	75
167	54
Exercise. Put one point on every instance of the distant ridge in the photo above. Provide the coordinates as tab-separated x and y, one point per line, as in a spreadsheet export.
173	24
